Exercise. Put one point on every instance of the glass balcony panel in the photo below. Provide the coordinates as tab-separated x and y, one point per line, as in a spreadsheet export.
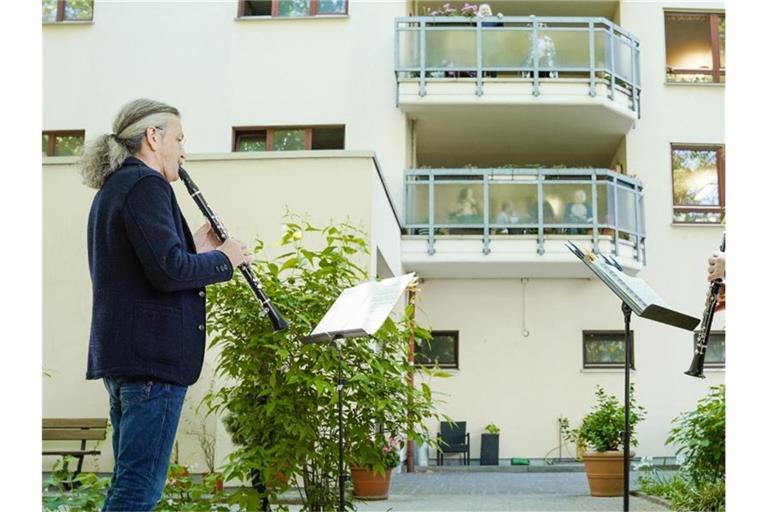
601	55
642	216
604	204
409	49
623	59
451	48
505	48
417	208
568	48
568	204
513	203
627	219
458	203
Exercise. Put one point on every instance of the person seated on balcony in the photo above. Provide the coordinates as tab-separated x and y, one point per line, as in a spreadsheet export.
544	54
466	209
505	217
578	212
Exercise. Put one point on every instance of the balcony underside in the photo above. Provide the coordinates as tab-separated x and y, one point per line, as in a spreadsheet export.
461	256
544	133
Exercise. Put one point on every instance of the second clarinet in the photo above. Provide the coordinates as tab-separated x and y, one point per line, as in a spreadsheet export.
277	320
702	337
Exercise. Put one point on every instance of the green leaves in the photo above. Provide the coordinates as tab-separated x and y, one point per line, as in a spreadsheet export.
281	398
601	429
700	435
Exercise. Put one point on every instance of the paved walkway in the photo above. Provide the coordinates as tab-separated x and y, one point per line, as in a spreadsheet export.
476	491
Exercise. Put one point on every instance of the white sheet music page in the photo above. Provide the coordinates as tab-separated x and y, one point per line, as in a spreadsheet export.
364	306
634	288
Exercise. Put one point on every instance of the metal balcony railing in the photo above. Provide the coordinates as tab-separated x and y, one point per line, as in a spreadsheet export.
504	202
530	48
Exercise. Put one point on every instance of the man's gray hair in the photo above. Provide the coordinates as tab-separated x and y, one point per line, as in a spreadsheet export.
101	157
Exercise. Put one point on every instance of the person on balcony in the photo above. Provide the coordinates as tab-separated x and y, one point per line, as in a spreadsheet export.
578	212
506	217
485	13
466	210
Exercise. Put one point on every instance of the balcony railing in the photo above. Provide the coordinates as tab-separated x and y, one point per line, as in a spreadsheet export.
597	203
529	48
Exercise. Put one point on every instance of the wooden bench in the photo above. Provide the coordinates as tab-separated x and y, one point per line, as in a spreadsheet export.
74	429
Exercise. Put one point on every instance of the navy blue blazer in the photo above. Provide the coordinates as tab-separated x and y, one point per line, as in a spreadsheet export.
148	316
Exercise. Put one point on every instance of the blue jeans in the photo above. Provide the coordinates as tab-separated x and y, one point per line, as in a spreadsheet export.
144	415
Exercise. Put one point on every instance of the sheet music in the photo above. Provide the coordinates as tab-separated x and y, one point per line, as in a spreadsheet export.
634	289
364	307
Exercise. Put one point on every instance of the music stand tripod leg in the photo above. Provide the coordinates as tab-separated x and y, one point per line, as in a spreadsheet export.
628	354
340	390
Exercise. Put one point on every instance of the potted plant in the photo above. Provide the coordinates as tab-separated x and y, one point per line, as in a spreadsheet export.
489	446
372	464
600	434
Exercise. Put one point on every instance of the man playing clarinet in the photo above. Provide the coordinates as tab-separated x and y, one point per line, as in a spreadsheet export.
149	275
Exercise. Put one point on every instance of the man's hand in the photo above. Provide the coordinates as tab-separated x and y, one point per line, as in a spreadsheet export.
716	269
205	238
720	298
236	251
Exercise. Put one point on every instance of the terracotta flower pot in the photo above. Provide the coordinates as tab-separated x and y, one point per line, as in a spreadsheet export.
369	485
605	472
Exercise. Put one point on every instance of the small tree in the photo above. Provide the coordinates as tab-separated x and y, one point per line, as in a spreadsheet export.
279	397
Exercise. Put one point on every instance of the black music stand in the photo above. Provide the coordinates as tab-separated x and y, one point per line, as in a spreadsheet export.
359	311
635	296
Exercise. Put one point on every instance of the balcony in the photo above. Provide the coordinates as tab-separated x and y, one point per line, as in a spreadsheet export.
482	223
515	61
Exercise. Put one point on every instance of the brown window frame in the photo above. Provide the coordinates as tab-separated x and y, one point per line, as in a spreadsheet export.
720	148
275	10
52	134
60	12
606	333
239	131
714	40
448	366
711	365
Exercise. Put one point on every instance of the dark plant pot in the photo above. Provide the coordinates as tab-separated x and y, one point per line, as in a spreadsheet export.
369	485
605	472
489	450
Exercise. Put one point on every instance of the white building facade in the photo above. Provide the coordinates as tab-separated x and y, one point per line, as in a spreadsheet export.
596	122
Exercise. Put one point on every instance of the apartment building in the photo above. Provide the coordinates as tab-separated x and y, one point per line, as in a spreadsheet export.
469	149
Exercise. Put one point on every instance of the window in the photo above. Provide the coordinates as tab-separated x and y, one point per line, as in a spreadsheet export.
605	349
715	356
442	350
63	143
695	47
67	10
291	8
698	183
289	138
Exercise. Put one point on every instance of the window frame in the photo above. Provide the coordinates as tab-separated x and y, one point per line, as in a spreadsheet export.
52	134
274	12
453	334
720	149
714	41
60	11
239	131
586	334
711	365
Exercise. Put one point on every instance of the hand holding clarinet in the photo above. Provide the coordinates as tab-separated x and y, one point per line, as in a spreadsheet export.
716	270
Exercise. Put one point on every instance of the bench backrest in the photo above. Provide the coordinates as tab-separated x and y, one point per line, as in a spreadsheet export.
74	429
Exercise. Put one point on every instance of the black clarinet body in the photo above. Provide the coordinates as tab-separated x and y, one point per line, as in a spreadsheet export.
702	337
277	320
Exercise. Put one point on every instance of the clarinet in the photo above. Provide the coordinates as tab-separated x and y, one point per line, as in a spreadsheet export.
702	337
278	322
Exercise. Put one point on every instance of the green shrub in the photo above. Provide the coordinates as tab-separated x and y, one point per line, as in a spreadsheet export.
700	435
65	492
601	429
279	395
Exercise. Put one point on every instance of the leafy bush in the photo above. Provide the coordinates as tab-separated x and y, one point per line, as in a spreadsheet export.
701	436
279	396
66	492
601	429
